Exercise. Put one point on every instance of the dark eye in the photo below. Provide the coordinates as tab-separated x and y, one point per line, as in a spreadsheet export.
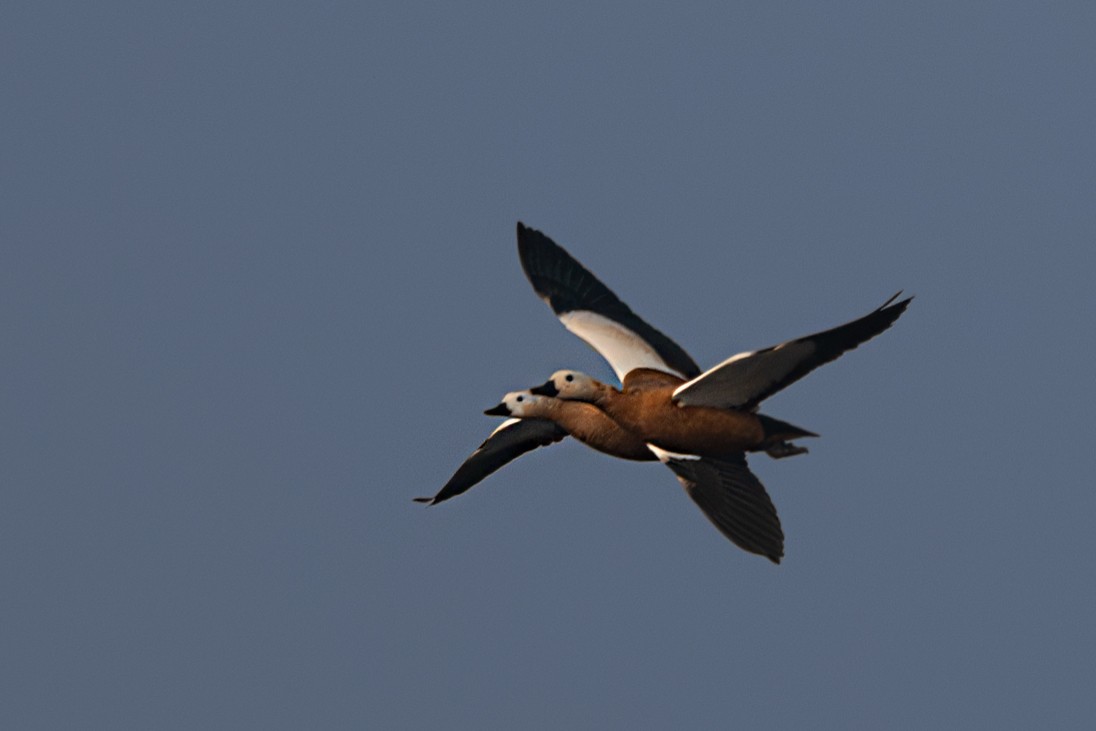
520	399
568	378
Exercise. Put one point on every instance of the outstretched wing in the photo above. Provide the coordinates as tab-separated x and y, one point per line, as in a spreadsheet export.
591	311
747	379
733	499
512	439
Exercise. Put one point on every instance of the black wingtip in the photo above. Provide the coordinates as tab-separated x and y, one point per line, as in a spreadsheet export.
541	257
525	235
892	310
423	500
891	302
567	286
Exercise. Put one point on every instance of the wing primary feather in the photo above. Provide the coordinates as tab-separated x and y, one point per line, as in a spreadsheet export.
735	502
745	380
512	439
568	287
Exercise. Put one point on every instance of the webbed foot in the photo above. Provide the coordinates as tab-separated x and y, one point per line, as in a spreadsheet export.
784	449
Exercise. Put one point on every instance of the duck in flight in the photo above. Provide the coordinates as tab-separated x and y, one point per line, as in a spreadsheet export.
716	412
664	398
706	449
725	490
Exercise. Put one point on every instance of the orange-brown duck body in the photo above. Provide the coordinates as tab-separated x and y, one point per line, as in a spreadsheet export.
645	407
583	421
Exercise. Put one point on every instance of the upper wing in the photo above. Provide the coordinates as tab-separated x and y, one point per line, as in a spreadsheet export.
590	310
733	499
511	440
747	379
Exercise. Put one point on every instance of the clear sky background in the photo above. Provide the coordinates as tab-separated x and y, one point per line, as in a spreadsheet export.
258	280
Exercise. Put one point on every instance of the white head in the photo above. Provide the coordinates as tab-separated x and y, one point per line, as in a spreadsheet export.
519	404
569	385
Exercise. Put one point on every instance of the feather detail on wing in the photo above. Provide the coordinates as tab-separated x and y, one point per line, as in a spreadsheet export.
591	311
747	379
733	499
512	439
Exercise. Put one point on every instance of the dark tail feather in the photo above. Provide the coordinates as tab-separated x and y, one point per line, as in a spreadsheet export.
777	430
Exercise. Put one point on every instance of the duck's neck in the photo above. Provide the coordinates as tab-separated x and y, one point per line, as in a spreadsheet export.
604	394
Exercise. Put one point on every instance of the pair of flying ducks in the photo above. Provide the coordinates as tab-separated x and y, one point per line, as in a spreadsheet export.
699	424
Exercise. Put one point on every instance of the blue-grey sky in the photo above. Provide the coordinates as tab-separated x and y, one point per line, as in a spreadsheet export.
259	280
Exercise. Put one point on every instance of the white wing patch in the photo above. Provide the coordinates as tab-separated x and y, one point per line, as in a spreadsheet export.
624	350
504	425
742	377
664	456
